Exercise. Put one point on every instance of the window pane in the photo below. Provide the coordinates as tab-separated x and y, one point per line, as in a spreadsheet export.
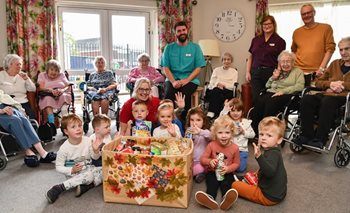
82	40
128	35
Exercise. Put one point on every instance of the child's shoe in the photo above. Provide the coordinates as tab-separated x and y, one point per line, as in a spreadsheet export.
51	156
199	178
81	189
54	192
229	199
206	200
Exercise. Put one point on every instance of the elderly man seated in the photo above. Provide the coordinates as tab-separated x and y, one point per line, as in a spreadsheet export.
335	83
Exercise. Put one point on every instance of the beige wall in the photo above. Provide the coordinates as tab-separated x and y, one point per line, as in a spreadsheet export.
203	15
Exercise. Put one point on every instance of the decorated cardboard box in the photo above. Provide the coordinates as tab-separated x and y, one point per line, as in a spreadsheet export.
156	171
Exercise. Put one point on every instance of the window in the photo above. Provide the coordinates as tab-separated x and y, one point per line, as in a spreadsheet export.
334	13
120	36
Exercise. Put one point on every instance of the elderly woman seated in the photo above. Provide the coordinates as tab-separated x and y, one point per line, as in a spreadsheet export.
144	70
335	83
14	122
16	83
285	81
54	84
101	86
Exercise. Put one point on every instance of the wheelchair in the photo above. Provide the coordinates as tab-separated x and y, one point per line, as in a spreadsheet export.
9	141
114	105
57	112
337	132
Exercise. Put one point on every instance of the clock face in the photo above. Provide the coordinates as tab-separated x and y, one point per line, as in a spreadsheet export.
229	25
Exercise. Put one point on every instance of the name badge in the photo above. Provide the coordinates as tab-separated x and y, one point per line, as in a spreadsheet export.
188	55
272	44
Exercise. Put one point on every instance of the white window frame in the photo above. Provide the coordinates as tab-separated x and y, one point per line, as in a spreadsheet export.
106	13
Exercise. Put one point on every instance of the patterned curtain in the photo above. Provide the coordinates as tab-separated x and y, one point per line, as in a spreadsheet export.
261	11
31	32
170	12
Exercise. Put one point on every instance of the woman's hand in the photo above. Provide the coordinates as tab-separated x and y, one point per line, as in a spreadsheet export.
213	163
102	90
6	110
336	86
92	89
220	86
23	75
180	100
248	77
276	73
277	94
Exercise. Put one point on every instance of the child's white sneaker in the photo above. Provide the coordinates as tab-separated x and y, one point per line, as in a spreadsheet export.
229	199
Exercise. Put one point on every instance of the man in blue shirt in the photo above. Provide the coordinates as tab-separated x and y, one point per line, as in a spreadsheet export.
182	62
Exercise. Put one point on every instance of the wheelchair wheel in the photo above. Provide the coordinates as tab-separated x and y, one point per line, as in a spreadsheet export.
86	127
342	157
3	163
117	121
296	148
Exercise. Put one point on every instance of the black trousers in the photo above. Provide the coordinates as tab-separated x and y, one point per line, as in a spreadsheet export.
267	105
325	108
29	111
216	98
213	184
259	77
186	90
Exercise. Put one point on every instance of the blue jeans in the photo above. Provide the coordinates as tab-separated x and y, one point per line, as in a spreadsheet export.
243	157
20	127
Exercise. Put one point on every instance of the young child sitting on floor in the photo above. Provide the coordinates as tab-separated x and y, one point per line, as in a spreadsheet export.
140	127
74	160
165	116
244	131
180	103
198	130
272	176
101	124
220	173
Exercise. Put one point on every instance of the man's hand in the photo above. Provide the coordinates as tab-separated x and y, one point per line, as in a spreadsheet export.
177	84
184	82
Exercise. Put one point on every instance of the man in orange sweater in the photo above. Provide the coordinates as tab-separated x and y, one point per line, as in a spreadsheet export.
313	43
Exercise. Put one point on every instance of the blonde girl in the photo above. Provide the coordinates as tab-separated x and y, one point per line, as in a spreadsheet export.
165	116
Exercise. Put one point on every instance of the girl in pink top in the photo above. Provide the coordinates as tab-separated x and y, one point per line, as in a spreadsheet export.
144	70
198	129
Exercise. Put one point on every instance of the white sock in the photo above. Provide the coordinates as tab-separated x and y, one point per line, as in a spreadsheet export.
44	156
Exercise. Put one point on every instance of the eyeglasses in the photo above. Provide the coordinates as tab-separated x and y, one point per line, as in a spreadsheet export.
307	13
267	24
142	90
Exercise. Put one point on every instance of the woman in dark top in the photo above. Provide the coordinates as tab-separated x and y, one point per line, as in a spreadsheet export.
262	59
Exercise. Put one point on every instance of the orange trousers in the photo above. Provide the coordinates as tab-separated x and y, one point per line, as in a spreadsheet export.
252	193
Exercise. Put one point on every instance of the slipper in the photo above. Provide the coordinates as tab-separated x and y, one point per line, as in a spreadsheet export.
31	161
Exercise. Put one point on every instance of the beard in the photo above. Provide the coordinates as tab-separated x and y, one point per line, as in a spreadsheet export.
182	38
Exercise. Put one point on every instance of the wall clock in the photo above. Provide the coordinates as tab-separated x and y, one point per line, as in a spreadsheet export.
229	25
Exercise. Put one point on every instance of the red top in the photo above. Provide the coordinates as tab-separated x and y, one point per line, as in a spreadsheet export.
231	153
152	106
